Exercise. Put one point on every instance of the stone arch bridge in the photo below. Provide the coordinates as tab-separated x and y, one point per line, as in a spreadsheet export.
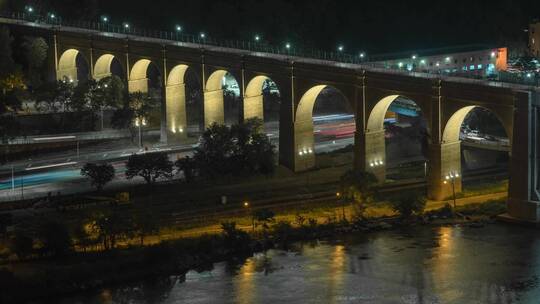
444	101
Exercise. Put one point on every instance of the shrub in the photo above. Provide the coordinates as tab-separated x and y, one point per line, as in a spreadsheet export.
408	204
55	238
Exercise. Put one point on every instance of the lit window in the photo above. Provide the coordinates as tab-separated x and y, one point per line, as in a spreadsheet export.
479	67
471	67
465	68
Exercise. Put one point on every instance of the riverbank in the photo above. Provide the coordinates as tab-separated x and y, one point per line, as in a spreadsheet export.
85	271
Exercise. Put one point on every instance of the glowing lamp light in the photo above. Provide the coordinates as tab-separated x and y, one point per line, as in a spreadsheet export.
447	59
340	48
362	55
257	38
413	57
493	54
52	16
400	64
126	25
30	9
202	35
181	130
287	45
423	61
437	64
529	75
105	19
178	28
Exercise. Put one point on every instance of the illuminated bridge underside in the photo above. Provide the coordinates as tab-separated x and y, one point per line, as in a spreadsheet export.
370	91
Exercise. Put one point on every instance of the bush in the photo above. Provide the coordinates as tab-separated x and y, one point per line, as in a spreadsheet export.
409	204
283	232
235	239
55	238
22	245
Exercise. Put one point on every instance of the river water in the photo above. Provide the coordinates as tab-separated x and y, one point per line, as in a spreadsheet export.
454	264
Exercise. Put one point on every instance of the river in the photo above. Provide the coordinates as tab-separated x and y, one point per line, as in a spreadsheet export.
452	264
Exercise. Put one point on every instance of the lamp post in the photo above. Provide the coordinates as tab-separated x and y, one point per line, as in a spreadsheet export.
247	207
178	29
451	177
338	197
139	123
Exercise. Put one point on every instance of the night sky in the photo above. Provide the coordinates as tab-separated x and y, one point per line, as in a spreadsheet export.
373	26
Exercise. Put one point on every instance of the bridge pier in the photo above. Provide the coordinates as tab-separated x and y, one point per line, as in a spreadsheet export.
373	143
524	187
253	107
214	111
444	159
176	117
304	150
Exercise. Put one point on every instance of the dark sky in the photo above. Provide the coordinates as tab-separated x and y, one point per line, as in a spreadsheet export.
375	26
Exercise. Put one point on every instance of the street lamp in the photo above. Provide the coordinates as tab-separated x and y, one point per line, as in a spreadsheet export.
413	57
340	48
288	46
104	19
451	177
29	9
247	207
126	27
338	197
257	38
202	35
139	123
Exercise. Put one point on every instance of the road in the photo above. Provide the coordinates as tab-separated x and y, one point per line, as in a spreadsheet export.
60	172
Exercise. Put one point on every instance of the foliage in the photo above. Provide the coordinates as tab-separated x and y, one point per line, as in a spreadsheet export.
35	52
7	64
22	245
55	238
54	97
99	175
283	232
110	227
145	223
234	238
188	167
11	92
242	149
408	204
264	216
358	187
149	166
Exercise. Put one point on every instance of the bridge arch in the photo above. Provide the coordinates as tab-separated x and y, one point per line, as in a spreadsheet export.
175	102
254	104
107	65
72	66
376	151
214	101
304	138
446	158
140	78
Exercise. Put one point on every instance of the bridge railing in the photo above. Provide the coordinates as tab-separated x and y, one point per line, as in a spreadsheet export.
107	27
300	53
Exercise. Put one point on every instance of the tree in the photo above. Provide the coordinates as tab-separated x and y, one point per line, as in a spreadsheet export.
7	64
146	222
55	238
408	204
110	227
11	91
149	166
264	216
35	51
22	245
99	175
358	187
188	166
242	149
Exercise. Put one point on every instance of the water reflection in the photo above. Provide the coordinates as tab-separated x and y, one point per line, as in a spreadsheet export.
494	264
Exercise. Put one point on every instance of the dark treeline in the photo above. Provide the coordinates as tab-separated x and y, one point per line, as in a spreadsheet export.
373	26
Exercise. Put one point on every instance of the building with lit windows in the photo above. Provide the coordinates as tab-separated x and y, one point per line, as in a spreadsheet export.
471	61
534	38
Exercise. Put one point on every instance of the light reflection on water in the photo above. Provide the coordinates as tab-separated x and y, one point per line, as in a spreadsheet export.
494	264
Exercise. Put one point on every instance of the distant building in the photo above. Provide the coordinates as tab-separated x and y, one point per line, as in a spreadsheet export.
477	61
534	38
